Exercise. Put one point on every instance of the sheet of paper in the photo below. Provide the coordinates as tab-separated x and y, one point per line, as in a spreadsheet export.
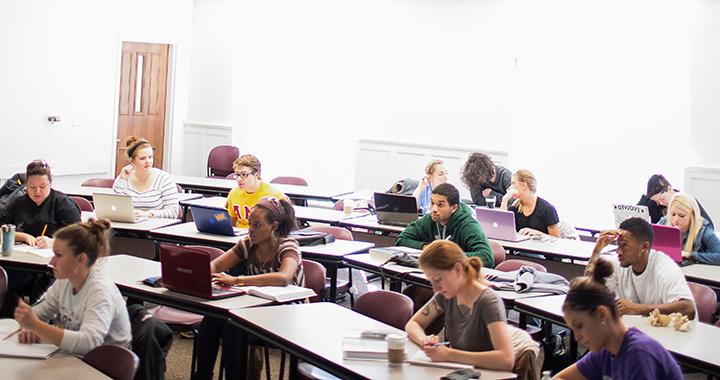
8	327
42	252
11	348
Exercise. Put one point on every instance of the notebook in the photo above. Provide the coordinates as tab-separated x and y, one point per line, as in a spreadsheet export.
115	207
668	240
279	293
498	224
357	348
11	348
395	210
420	358
8	326
187	270
42	252
214	220
622	212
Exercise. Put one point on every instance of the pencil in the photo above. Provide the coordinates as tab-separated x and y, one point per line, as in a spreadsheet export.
44	229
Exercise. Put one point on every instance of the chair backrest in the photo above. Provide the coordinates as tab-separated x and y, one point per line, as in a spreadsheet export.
83	203
3	286
314	279
214	252
515	264
339	205
705	301
99	182
339	232
297	181
116	362
498	252
392	308
220	160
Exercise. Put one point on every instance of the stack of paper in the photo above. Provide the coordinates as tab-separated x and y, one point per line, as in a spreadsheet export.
11	348
42	252
279	293
355	348
8	327
384	253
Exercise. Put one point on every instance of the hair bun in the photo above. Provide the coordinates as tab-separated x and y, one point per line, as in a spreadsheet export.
131	140
603	270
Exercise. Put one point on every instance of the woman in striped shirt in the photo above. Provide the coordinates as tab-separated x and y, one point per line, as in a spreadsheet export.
154	193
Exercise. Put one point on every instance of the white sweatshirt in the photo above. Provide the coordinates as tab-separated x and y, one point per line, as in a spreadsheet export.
96	315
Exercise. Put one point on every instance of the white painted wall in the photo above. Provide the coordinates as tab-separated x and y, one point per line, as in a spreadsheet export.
62	58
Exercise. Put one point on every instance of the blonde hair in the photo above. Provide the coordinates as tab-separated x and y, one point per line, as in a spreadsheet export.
687	203
444	254
432	166
526	177
247	160
134	144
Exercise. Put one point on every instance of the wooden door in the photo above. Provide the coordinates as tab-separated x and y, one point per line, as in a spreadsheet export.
143	87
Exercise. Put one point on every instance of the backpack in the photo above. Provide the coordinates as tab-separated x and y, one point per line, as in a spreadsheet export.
308	237
151	342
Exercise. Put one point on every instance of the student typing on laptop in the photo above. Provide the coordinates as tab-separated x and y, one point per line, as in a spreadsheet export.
700	243
251	188
534	216
272	259
153	192
643	279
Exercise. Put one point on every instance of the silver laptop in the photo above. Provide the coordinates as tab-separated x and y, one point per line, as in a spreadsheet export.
115	207
498	224
622	212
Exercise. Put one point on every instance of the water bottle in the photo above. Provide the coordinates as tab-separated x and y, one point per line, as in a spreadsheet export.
546	375
8	238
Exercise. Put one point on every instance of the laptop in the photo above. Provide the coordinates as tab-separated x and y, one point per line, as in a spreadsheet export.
187	270
498	224
395	209
115	207
668	240
214	220
622	212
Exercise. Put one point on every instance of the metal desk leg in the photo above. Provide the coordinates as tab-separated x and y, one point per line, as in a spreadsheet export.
243	357
332	272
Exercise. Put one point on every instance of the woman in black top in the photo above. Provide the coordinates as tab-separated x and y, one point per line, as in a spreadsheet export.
533	215
39	206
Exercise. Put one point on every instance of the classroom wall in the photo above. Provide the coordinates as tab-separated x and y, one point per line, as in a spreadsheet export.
62	58
593	96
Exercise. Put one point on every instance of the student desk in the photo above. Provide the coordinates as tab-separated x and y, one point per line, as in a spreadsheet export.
703	274
330	255
555	248
127	272
60	365
399	274
694	348
87	192
304	332
221	186
26	262
370	224
141	227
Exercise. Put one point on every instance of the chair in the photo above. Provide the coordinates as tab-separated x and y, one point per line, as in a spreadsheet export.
498	252
343	286
515	264
392	308
314	278
83	203
297	181
220	161
117	362
183	321
3	286
705	301
99	182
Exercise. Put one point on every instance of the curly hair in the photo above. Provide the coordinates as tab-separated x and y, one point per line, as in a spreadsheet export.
478	170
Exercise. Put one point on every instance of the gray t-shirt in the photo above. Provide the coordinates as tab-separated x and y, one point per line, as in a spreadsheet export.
466	329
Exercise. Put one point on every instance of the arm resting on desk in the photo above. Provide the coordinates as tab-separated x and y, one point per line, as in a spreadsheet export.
412	236
570	373
683	306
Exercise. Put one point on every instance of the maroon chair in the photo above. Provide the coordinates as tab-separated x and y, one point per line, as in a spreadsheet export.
394	309
99	182
343	286
83	203
117	362
515	264
498	252
3	286
314	278
297	181
220	161
339	205
705	301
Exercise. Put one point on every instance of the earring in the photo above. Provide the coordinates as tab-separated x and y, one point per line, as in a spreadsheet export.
602	322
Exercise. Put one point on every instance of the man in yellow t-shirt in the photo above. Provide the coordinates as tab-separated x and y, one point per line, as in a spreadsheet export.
249	191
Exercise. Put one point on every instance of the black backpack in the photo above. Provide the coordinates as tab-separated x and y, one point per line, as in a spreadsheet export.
307	237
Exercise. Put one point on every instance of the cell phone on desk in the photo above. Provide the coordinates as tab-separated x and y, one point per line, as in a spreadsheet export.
154	281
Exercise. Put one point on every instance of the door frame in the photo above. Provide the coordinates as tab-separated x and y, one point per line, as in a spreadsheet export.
169	101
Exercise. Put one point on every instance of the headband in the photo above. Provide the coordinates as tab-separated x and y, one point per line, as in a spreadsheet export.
135	146
273	205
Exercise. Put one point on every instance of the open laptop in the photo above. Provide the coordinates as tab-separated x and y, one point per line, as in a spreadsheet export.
668	240
115	207
395	209
187	270
622	212
498	224
214	220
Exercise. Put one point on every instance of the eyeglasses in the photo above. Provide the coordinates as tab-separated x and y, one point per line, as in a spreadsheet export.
244	175
38	164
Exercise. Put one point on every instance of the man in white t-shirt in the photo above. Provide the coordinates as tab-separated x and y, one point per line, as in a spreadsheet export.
643	279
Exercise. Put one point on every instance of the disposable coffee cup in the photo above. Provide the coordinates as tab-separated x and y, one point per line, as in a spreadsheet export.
8	238
396	348
490	202
348	206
